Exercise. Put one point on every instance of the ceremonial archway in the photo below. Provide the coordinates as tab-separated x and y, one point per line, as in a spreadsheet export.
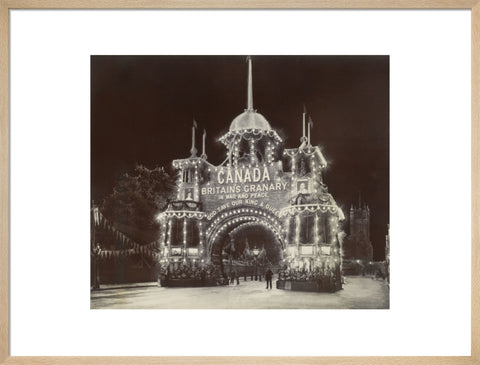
261	191
248	226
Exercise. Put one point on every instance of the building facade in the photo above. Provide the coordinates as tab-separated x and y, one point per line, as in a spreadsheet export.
360	220
358	245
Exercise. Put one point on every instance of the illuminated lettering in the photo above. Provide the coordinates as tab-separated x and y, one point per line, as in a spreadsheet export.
256	174
238	175
220	179
229	177
243	176
266	175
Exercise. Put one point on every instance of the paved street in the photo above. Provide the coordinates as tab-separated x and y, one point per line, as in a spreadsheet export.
358	292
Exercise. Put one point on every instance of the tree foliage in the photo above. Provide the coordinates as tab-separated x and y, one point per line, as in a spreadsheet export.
137	198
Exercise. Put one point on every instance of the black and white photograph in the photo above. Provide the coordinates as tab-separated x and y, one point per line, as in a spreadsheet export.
240	182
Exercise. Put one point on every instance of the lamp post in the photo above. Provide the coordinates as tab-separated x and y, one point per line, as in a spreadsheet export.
244	269
96	266
256	251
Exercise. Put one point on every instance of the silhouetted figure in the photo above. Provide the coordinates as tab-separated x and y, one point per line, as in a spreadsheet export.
268	277
203	274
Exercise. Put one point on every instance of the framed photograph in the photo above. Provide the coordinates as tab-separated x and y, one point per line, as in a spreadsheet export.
188	193
302	187
183	158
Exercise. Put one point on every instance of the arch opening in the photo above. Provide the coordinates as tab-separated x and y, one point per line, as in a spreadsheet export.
241	242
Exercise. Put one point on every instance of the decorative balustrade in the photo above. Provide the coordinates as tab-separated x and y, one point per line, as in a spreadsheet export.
189	205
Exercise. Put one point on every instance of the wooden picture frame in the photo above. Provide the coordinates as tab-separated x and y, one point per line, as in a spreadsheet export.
6	5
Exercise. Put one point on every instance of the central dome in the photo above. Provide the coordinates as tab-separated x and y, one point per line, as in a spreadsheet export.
250	119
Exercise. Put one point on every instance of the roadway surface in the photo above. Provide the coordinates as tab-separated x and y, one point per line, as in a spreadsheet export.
358	293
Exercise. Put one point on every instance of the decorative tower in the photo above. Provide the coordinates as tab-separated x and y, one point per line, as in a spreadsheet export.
313	217
182	238
358	245
360	220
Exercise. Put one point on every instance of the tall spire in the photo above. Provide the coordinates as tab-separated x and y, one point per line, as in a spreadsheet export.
250	85
304	115
310	126
204	155
303	139
193	150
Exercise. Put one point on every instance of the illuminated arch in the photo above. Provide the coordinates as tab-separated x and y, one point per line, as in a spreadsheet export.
232	219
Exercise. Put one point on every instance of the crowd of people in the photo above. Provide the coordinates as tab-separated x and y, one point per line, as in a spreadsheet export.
182	271
324	277
206	275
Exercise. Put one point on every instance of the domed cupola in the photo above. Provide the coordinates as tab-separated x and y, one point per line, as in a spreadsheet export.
250	119
250	138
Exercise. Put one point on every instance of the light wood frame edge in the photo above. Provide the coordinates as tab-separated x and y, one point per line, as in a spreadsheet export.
6	5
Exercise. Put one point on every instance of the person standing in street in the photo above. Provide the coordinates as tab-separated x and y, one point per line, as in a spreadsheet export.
203	274
268	277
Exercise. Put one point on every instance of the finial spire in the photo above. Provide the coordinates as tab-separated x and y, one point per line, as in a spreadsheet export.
193	150
250	85
204	155
310	126
303	139
303	119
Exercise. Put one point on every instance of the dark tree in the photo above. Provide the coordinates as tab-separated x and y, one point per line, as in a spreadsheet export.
137	199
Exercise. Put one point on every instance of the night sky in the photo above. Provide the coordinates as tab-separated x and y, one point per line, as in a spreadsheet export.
142	109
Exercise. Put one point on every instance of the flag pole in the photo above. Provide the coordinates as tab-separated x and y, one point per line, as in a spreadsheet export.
303	123
250	85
